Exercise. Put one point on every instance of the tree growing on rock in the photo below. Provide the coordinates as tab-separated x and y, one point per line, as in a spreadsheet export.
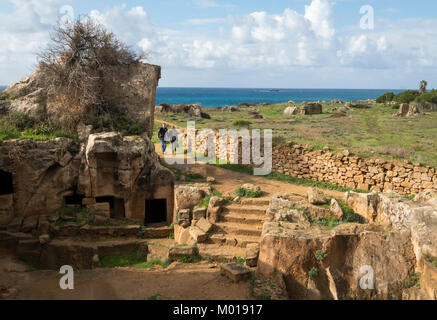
78	66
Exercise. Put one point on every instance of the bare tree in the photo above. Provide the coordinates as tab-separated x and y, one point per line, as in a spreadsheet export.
423	85
76	63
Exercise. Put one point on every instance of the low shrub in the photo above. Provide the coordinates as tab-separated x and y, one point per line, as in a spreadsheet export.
241	123
386	97
427	97
406	96
247	193
314	272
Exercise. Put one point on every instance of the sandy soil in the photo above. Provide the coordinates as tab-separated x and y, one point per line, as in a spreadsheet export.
179	281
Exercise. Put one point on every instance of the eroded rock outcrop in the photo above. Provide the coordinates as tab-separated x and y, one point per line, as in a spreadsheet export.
132	88
395	248
105	168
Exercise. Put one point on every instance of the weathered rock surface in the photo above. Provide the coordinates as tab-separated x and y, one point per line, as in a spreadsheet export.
45	172
190	109
189	196
234	272
293	253
329	264
316	196
178	252
132	88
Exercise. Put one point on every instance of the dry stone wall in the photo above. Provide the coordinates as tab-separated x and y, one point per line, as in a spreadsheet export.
353	172
343	169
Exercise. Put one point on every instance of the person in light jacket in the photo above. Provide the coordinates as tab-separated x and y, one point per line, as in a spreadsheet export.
173	137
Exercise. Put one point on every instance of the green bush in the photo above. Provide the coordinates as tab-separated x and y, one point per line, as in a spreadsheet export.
314	272
127	127
406	96
427	97
386	97
320	255
241	123
20	120
247	193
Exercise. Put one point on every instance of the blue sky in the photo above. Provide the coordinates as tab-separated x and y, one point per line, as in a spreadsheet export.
219	43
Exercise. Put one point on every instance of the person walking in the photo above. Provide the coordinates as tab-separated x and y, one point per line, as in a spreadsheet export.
161	135
173	136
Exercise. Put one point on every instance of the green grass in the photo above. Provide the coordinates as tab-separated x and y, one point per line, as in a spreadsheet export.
205	201
432	260
247	193
413	280
187	176
194	259
289	179
148	264
329	223
21	126
124	260
367	133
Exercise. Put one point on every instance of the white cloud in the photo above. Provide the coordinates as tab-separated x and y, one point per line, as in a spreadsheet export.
255	43
210	4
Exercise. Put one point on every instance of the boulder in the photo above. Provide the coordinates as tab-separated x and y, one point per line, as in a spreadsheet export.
234	272
215	207
199	212
311	108
187	197
197	234
250	186
204	225
177	252
210	179
182	235
316	196
336	209
252	252
364	204
291	111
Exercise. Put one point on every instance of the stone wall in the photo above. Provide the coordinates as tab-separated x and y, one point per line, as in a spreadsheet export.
344	169
353	172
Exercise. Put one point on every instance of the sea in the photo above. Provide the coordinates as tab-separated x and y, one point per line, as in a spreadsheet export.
218	97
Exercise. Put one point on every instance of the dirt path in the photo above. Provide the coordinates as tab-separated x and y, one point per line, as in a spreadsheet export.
229	181
179	281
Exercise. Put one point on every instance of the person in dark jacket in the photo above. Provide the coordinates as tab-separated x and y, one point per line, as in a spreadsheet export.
161	135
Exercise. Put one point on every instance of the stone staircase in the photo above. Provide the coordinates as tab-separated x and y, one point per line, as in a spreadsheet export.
239	225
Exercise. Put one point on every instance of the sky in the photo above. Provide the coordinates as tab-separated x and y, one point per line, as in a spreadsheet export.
246	43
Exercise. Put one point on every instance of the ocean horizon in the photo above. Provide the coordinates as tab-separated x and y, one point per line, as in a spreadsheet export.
219	97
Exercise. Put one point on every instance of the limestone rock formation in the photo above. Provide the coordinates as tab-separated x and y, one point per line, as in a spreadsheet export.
190	109
408	110
318	263
124	172
307	109
292	253
188	196
132	88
